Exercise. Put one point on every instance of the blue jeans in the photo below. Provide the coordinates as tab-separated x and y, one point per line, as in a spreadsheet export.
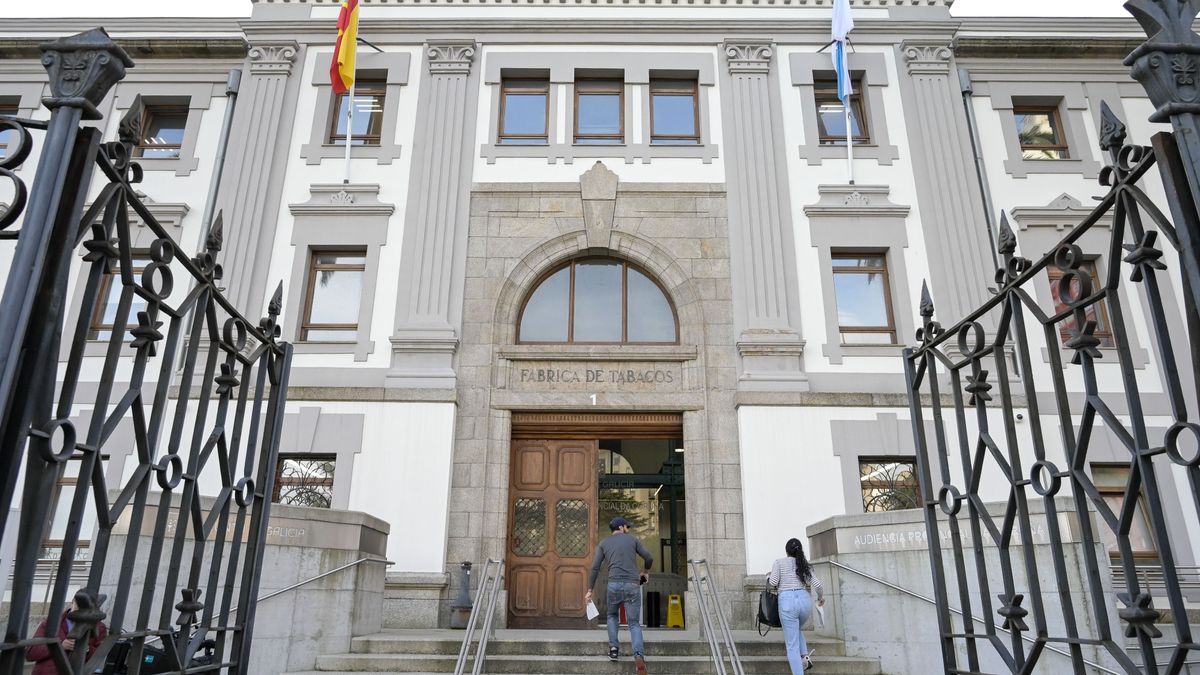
630	595
794	609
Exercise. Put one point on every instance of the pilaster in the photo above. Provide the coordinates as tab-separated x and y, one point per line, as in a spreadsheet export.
253	179
433	255
949	197
765	287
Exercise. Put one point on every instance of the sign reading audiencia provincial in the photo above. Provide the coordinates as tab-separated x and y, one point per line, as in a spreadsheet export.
595	376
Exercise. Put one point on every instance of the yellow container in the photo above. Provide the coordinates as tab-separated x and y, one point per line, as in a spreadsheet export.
674	611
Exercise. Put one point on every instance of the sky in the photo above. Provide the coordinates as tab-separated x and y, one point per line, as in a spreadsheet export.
93	8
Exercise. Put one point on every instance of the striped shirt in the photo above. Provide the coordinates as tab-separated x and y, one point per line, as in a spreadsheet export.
783	576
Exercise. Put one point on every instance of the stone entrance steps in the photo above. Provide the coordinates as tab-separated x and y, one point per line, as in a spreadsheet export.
581	652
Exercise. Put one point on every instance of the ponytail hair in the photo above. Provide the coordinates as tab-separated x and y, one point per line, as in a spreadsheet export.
795	549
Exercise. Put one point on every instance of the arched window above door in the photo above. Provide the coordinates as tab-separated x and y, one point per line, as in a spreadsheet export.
598	301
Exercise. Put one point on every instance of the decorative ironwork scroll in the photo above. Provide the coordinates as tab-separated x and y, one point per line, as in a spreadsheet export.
185	388
1028	353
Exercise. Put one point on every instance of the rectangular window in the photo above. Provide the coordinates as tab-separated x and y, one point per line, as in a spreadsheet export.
109	299
599	112
369	93
1097	312
8	136
674	112
162	131
1111	481
889	483
304	480
864	298
64	494
1039	129
831	114
524	112
334	294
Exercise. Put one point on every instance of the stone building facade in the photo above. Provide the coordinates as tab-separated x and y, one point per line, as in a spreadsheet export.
769	413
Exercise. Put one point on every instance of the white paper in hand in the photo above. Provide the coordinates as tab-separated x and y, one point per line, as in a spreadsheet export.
820	615
592	612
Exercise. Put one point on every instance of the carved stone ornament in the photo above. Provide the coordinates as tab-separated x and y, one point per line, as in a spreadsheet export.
273	58
450	57
857	198
82	69
342	200
927	58
749	56
1166	64
598	188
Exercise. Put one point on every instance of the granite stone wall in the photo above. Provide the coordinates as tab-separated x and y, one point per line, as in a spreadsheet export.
676	232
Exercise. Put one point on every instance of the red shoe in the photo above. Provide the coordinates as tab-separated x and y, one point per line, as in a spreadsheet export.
641	665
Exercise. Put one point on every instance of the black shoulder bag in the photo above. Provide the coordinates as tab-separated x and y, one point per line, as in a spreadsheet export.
768	611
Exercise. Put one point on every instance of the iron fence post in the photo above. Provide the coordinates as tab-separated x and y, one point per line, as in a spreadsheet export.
1167	65
82	70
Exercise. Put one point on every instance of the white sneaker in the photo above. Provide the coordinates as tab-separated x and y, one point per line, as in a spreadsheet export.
808	664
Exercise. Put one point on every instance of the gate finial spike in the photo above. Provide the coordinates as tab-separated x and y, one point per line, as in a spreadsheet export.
216	233
130	126
1164	20
276	304
1007	242
1112	129
926	301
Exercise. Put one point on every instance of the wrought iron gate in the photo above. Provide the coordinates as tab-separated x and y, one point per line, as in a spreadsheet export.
180	380
969	382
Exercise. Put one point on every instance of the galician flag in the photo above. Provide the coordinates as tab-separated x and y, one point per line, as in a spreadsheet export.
341	70
843	23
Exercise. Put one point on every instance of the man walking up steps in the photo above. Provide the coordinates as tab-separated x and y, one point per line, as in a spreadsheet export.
620	550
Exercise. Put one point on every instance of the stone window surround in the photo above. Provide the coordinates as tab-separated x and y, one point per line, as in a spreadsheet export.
170	216
1071	102
861	217
871	69
885	436
302	435
196	96
1040	229
637	70
337	217
318	148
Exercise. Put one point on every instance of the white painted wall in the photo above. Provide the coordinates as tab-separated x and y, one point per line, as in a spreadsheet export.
403	477
804	180
393	189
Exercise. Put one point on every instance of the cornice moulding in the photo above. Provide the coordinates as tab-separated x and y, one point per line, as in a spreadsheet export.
140	48
1042	47
338	199
1063	213
855	201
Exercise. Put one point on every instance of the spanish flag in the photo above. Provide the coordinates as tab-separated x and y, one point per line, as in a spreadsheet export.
341	70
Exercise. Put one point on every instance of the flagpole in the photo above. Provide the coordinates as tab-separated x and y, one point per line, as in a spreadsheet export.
350	130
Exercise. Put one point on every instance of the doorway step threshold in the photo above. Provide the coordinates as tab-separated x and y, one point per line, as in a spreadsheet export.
577	652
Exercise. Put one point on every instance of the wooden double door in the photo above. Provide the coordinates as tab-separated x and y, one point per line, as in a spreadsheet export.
552	531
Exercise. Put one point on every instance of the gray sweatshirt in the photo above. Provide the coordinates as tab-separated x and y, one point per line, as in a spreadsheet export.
619	550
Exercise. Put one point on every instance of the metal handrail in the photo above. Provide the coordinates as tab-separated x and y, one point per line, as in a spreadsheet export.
158	638
489	614
727	635
959	612
481	650
322	575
